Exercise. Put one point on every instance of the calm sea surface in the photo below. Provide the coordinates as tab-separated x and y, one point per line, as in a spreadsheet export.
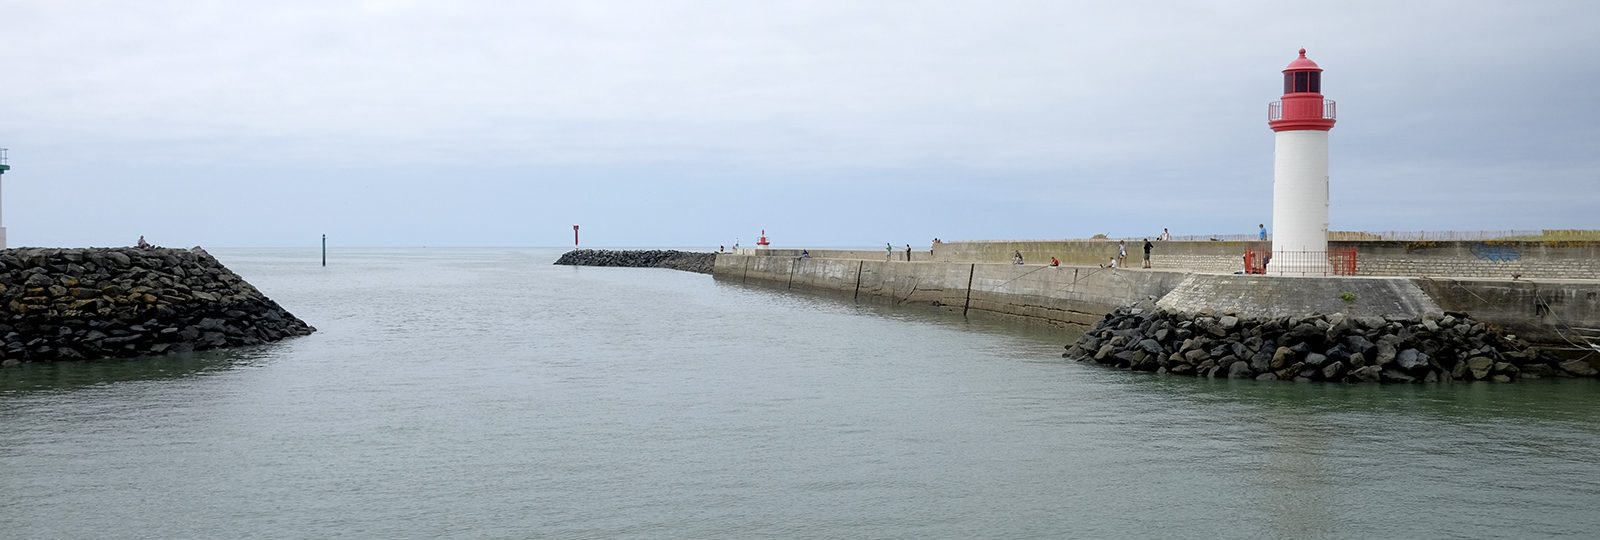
486	393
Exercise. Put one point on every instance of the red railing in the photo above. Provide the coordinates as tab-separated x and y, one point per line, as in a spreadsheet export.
1334	262
1330	110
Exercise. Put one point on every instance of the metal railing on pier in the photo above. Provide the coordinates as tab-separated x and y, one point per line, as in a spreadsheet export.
1334	262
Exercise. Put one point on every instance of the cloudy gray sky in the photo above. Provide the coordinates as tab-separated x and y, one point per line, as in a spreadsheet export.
848	123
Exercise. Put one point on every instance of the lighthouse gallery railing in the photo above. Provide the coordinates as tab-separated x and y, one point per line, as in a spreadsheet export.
1330	110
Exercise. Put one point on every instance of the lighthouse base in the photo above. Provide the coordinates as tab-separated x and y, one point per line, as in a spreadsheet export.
1300	264
1300	270
2	237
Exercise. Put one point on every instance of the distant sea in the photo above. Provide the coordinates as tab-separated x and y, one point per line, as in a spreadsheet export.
483	393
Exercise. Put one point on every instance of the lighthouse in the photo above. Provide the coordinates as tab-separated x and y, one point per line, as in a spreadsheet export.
3	169
1300	122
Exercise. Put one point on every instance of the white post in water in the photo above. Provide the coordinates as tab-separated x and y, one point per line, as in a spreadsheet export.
1301	121
3	168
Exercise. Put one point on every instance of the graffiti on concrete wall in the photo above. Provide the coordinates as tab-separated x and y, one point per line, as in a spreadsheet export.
1496	253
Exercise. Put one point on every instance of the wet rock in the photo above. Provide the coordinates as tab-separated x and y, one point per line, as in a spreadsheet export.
1333	371
1281	356
1357	360
1578	367
1240	370
1395	375
1315	359
1412	361
1479	366
1386	353
1368	374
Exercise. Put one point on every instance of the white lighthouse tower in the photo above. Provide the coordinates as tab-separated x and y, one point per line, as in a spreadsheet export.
3	169
1301	121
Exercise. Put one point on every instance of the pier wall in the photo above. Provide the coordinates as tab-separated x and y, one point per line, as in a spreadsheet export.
1457	259
1077	296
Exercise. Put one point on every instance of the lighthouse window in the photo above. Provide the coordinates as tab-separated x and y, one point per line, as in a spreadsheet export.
1316	82
1288	82
1302	82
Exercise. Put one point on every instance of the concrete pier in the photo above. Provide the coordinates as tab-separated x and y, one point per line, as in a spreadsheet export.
1539	311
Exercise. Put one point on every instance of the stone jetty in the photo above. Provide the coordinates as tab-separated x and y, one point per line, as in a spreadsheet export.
1336	348
688	261
75	304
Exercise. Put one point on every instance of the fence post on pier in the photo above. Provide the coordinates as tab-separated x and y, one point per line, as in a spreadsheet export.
324	251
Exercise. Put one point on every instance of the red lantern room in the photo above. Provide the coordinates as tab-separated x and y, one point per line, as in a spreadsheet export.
1302	106
762	240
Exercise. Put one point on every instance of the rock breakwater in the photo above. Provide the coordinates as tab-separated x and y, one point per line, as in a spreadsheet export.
1433	348
75	304
688	261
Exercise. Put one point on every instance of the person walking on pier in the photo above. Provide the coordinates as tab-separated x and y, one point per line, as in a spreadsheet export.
1147	246
1166	235
1122	252
1263	234
888	251
908	252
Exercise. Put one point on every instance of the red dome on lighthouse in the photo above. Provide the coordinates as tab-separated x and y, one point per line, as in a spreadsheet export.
1302	105
1302	64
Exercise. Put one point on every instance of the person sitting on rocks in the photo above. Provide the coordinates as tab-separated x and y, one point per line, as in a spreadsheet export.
143	244
1054	261
1016	257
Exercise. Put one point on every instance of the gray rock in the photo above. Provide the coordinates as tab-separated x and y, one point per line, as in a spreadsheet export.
1358	360
1411	360
1122	358
1395	375
1358	344
1333	371
1368	374
1261	361
1266	377
1315	360
1578	367
1281	356
1479	367
1370	322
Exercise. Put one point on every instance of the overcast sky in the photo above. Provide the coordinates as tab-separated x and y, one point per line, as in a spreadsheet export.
848	123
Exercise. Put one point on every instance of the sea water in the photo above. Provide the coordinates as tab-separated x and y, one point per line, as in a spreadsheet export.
484	393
